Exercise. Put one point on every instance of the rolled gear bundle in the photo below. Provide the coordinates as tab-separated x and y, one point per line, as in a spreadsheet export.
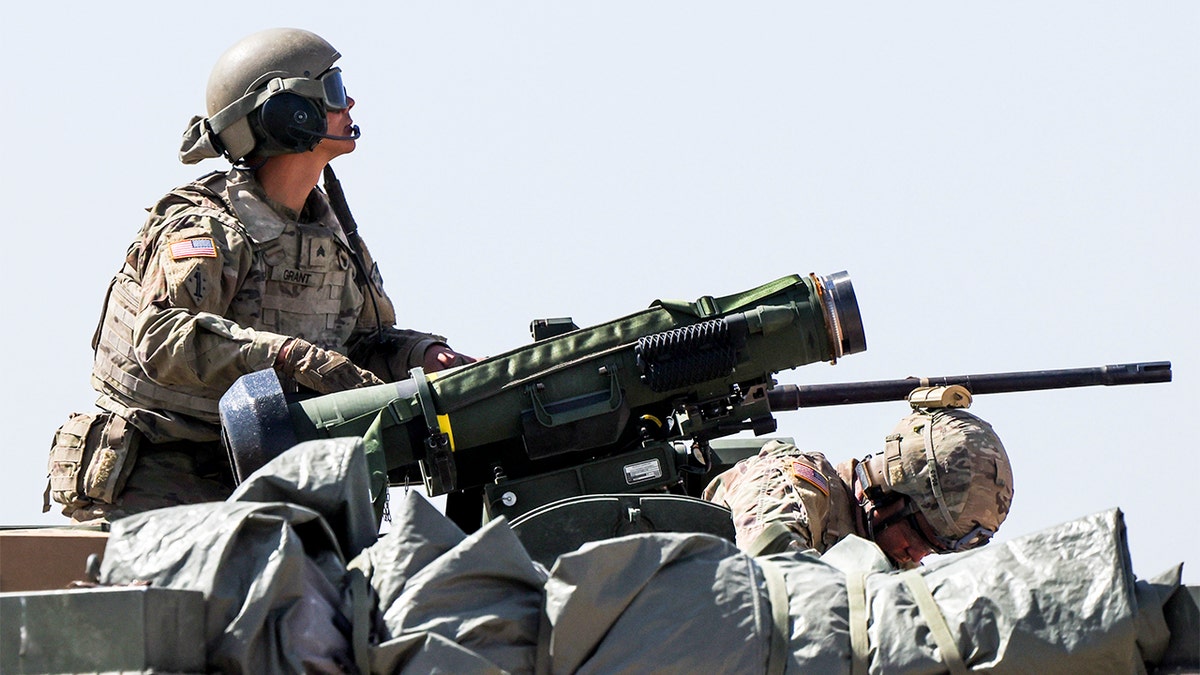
277	594
271	594
448	602
1058	601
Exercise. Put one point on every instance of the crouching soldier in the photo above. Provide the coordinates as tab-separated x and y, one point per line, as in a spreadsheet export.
942	483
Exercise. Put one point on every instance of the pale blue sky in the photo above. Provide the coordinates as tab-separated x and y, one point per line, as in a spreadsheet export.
1011	186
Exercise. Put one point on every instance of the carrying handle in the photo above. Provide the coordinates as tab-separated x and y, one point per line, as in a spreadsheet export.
580	407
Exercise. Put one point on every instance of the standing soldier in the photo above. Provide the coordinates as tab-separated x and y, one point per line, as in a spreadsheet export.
943	483
236	272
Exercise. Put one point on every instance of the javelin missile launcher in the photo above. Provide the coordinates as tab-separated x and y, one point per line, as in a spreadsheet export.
577	412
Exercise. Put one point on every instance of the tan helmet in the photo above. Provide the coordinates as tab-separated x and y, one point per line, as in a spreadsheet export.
954	470
267	95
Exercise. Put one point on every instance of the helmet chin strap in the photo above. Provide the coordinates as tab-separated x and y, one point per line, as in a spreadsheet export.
935	483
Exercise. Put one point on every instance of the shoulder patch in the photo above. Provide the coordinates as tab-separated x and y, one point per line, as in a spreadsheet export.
809	474
193	248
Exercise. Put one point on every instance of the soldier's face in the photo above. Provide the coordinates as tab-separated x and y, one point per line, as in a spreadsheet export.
338	123
901	543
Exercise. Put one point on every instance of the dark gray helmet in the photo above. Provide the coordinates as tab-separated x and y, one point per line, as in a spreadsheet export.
261	89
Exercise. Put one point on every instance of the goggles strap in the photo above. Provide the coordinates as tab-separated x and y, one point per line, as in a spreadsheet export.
302	86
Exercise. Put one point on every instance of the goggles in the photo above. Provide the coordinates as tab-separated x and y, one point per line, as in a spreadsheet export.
328	89
978	536
333	91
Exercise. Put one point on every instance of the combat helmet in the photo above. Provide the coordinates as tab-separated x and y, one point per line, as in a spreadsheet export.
953	469
267	95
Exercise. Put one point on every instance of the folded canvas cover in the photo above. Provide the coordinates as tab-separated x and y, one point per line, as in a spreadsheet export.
280	597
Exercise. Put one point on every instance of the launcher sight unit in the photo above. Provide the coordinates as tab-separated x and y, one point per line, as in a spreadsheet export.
625	406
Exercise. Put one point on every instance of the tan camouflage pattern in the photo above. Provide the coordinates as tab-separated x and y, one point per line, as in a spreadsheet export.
972	469
67	451
161	479
176	333
782	485
112	459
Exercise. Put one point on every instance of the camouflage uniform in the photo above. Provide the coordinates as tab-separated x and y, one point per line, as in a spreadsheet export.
216	282
949	464
785	498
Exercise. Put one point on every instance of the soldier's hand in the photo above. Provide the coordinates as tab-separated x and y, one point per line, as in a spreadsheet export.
441	357
322	370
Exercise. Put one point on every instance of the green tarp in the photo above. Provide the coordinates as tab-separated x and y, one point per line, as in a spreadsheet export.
281	596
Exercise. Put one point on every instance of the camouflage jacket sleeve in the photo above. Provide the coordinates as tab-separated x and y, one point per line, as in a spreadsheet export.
191	270
780	498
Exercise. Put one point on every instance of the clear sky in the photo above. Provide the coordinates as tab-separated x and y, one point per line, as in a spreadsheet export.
1011	186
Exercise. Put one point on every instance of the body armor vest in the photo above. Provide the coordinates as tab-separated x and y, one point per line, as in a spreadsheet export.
300	283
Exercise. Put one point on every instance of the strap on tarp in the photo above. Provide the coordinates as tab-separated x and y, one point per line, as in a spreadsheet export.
781	619
935	620
860	641
774	538
360	621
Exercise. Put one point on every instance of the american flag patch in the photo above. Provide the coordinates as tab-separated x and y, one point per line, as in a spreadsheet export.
807	473
193	248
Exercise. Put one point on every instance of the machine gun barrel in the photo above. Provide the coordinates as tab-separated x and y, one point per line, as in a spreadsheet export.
794	397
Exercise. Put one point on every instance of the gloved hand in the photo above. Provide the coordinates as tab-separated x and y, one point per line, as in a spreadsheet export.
322	370
441	357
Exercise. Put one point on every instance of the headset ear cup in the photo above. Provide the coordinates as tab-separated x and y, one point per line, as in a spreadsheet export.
291	122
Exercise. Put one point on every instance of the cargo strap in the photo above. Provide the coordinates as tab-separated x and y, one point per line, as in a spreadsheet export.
360	621
781	619
860	641
936	621
774	538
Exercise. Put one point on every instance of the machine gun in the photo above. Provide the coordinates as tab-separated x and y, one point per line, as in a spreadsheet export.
794	397
635	406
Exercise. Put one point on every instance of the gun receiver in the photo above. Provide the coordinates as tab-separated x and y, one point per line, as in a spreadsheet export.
794	397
